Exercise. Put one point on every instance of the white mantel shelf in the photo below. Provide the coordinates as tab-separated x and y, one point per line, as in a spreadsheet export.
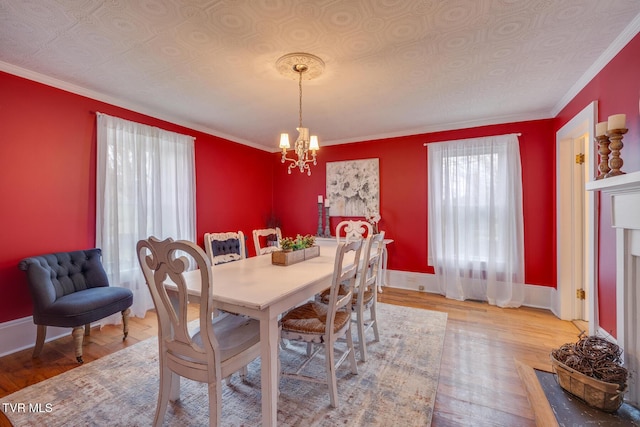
617	184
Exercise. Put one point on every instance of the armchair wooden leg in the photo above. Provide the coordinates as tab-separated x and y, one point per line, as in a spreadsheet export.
41	334
87	329
125	323
77	335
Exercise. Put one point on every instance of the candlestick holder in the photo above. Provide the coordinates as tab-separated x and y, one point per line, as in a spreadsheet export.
319	231
603	150
327	227
615	162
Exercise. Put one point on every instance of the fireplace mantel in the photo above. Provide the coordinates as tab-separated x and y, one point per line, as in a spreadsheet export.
625	198
620	184
624	191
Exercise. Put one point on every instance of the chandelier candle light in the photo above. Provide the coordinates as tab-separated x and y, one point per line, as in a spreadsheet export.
309	66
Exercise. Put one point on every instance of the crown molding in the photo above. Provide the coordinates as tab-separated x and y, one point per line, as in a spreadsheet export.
618	44
498	120
98	96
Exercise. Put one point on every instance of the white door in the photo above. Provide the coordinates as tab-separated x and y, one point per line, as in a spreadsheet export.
576	220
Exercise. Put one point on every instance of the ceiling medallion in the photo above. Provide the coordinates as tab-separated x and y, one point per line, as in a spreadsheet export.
286	65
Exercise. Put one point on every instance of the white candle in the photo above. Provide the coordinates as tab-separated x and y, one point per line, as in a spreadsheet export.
326	203
319	199
617	121
601	128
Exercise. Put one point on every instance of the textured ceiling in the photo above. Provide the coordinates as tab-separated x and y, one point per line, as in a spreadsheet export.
392	67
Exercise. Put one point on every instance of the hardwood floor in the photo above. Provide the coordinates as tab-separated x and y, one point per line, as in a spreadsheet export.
479	384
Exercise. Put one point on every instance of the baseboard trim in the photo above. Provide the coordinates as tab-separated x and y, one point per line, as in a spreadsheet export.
20	334
534	296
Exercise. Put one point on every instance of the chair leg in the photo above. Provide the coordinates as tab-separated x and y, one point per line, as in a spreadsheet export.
352	352
309	349
362	339
174	392
87	329
125	323
243	373
77	335
374	319
215	403
329	358
41	334
164	393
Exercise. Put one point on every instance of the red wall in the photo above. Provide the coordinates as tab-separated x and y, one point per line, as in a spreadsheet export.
47	179
403	194
617	90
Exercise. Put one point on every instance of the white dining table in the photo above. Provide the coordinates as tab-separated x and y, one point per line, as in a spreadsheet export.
264	291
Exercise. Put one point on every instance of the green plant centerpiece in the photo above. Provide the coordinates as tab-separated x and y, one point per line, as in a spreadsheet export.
300	242
294	250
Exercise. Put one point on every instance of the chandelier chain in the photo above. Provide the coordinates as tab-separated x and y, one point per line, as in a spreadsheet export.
300	87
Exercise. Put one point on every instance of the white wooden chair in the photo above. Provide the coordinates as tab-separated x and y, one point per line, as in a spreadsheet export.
266	232
350	230
321	325
217	348
347	231
365	295
225	247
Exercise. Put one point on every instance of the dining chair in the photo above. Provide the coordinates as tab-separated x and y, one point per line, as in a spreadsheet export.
321	325
349	230
365	292
267	235
365	295
216	348
225	247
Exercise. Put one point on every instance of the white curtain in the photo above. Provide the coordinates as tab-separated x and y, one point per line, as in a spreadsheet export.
476	235
145	187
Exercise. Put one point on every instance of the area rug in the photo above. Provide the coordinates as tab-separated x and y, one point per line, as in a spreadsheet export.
396	386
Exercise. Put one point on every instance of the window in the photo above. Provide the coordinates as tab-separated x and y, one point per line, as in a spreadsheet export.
145	187
475	218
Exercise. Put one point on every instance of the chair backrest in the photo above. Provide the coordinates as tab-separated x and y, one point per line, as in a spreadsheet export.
167	259
371	265
55	275
343	281
264	235
347	231
225	247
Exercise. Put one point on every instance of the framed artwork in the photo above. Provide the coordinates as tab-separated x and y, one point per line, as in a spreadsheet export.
353	187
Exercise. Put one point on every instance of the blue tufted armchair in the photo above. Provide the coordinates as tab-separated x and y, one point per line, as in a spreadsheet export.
71	289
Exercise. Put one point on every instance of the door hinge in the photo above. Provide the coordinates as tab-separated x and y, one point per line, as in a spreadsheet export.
580	294
580	158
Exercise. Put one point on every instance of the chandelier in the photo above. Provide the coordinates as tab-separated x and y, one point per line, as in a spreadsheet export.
305	147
